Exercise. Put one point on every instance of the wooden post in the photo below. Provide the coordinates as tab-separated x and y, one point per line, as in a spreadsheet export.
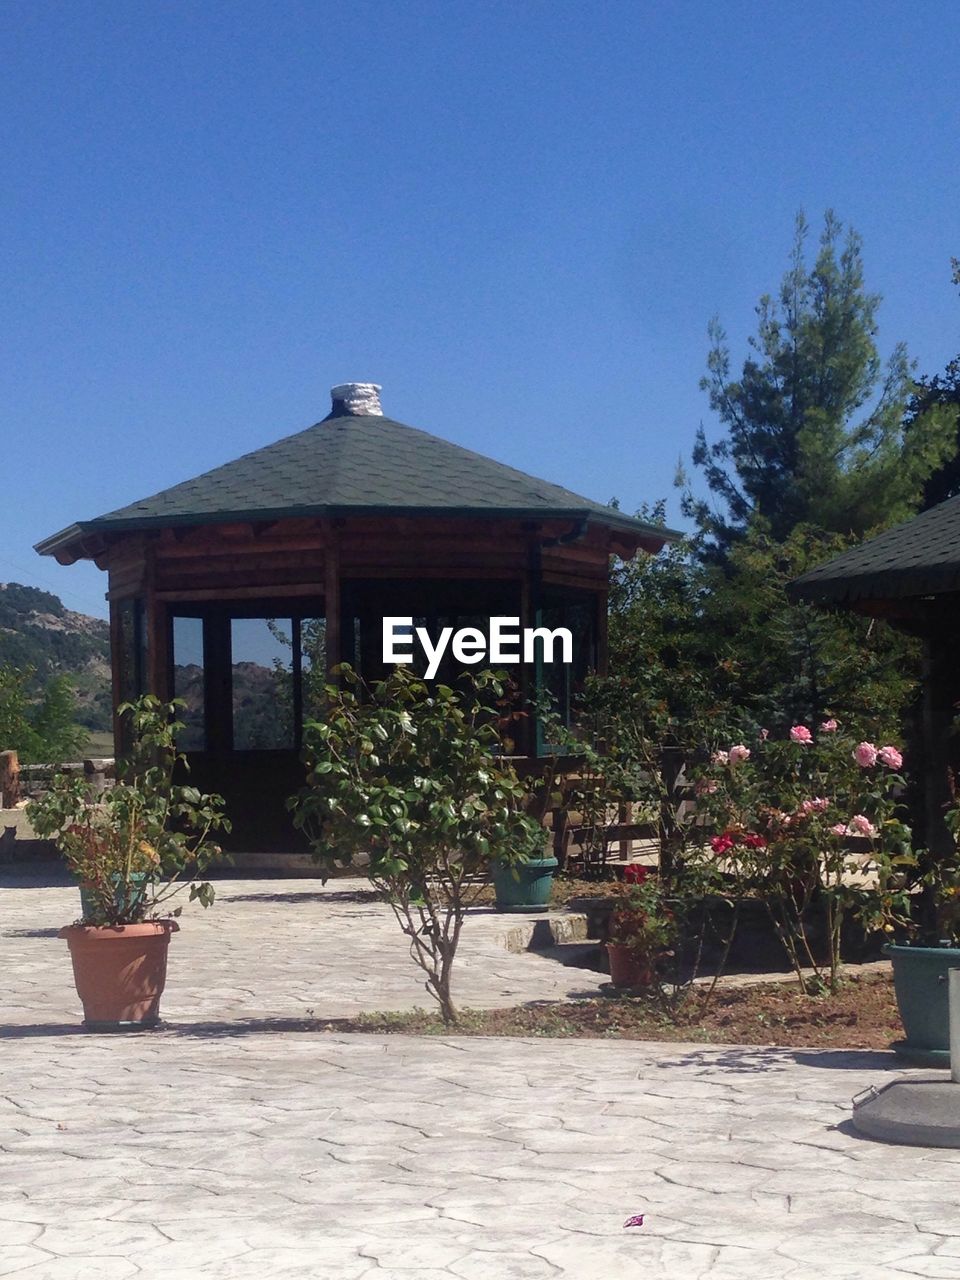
671	765
331	595
95	778
117	692
603	611
9	779
940	696
530	602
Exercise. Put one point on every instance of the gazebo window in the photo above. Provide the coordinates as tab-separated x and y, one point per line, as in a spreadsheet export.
189	682
564	682
458	603
131	639
261	683
248	679
432	604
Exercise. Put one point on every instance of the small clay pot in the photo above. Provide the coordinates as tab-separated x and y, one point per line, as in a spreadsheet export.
120	972
627	969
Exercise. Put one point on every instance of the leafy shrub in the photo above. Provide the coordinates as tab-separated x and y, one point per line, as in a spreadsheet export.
411	775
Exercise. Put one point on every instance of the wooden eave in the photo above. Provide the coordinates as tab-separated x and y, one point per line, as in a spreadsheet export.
559	534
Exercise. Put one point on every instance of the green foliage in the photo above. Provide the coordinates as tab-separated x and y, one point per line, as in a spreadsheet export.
814	424
782	663
712	645
409	774
131	844
42	730
634	736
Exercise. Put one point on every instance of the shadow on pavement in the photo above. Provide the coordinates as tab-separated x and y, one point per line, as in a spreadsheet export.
35	875
37	1030
763	1058
197	1030
336	895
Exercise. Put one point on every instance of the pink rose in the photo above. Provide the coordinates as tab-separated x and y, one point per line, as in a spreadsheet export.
860	825
720	757
738	753
829	726
817	805
838	829
800	733
705	786
891	757
865	754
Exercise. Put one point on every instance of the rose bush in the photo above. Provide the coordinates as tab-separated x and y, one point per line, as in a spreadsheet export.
812	825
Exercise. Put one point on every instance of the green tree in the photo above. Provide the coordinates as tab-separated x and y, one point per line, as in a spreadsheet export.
411	774
40	729
815	430
723	645
784	664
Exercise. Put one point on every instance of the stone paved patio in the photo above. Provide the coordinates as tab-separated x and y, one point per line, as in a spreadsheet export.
223	1147
274	949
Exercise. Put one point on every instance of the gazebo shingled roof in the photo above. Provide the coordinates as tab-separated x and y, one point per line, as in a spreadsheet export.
917	558
354	465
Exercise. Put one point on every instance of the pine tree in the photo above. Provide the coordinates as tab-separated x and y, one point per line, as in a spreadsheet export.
815	430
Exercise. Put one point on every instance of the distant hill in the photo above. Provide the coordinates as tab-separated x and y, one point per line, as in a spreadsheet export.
37	631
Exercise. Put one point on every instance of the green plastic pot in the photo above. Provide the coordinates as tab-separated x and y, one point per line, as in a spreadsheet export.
128	894
920	983
526	886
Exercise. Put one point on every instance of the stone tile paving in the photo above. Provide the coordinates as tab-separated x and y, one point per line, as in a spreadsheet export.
238	1151
274	949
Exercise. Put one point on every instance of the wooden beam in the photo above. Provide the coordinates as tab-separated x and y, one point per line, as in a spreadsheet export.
275	590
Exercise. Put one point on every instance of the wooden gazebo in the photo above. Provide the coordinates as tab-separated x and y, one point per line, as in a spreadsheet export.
236	589
910	576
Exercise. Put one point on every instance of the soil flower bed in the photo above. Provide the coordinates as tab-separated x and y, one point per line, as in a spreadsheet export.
861	1015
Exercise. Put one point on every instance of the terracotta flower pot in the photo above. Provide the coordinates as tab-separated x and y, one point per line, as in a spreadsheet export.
120	972
627	969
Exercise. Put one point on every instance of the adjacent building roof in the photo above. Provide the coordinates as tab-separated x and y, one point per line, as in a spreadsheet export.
348	465
920	557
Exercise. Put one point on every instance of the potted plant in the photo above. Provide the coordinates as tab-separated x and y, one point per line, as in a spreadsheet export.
130	846
929	947
526	884
642	931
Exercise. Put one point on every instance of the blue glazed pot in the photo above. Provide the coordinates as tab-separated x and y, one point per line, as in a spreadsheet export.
128	895
526	886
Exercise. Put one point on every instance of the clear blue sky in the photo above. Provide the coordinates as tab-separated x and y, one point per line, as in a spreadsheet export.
518	217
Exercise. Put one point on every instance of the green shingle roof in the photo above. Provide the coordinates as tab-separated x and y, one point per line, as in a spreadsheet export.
350	465
917	558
